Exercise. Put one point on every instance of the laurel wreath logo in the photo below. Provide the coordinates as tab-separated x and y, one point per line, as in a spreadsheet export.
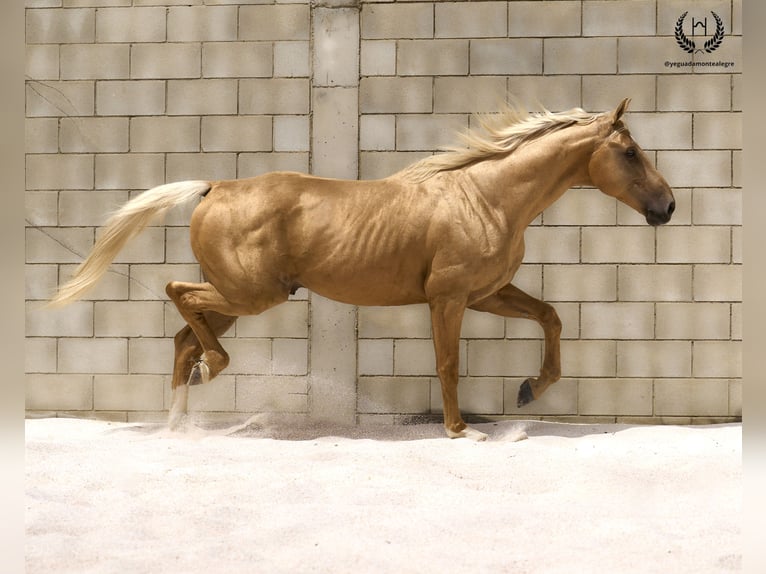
689	46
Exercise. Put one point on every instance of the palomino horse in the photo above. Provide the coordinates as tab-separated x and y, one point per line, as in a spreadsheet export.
447	231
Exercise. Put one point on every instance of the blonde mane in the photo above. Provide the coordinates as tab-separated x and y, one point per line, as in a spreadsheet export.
502	133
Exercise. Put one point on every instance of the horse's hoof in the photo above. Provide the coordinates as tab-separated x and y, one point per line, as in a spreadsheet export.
200	374
469	433
525	394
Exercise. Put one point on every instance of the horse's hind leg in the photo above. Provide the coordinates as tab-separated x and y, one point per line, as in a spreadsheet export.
188	364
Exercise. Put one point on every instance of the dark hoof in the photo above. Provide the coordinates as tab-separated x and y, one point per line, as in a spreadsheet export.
525	394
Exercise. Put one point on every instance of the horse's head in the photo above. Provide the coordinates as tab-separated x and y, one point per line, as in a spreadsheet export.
620	168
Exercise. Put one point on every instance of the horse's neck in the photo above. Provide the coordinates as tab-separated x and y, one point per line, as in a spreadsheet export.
529	179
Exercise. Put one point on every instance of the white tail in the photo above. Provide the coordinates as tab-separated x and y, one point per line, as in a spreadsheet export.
125	224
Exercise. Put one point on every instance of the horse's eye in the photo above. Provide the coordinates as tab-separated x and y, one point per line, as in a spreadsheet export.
630	152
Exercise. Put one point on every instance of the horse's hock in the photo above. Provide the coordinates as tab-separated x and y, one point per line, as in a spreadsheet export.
121	99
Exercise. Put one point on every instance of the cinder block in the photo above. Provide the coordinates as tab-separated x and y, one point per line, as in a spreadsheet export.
600	18
654	359
148	281
406	321
615	397
474	20
377	132
603	93
88	208
249	356
277	22
701	244
504	358
416	357
580	283
394	395
237	59
648	54
735	398
128	392
42	62
555	93
129	319
386	21
57	245
129	171
559	399
93	355
582	358
718	283
202	97
39	281
131	98
55	26
717	206
395	95
252	164
506	56
377	58
655	282
661	131
150	355
202	24
717	359
70	171
736	168
75	320
617	321
736	321
291	133
93	135
335	46
736	245
428	132
216	396
479	325
289	319
205	166
685	93
469	94
527	19
693	321
41	135
586	206
39	355
95	61
272	394
56	99
236	133
274	96
335	132
58	392
580	56
176	60
552	245
432	57
41	208
691	397
618	245
164	134
145	24
375	165
475	395
722	130
291	59
289	357
376	356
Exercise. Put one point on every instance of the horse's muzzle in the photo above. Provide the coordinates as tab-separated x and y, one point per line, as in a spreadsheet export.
658	217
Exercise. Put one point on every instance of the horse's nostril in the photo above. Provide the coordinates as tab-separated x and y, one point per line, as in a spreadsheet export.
671	207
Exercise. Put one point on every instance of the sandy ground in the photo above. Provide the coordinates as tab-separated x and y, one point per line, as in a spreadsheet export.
271	496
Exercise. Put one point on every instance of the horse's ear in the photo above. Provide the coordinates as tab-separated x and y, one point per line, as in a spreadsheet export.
617	114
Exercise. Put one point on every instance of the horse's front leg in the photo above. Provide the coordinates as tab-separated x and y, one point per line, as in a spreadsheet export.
446	318
511	301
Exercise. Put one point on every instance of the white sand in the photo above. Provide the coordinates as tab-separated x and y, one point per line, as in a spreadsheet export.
272	496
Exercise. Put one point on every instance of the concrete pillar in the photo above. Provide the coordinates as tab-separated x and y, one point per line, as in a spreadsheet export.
335	153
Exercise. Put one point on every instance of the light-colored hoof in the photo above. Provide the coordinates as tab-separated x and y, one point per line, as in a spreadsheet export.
469	433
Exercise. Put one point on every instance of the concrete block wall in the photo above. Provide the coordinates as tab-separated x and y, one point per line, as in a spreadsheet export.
123	95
